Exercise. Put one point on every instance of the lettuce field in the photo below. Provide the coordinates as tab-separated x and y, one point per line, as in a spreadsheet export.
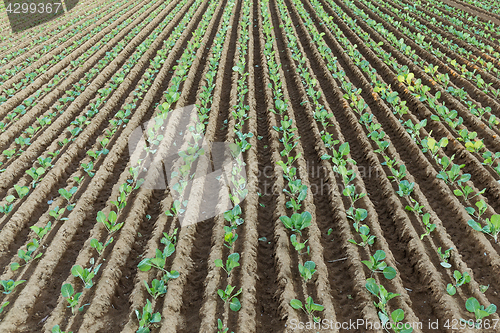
250	166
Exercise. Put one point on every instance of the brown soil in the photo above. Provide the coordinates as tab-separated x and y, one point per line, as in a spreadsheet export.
268	273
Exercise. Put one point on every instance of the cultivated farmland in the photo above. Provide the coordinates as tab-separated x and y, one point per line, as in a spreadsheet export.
251	166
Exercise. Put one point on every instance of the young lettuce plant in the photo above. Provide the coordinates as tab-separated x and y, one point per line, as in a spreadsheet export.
310	307
22	191
31	247
147	318
491	228
57	329
297	245
307	270
479	311
9	285
376	265
225	295
221	328
56	212
85	274
429	227
383	297
41	232
445	256
99	246
297	222
35	174
158	288
109	221
68	292
231	262
4	304
460	280
159	261
67	195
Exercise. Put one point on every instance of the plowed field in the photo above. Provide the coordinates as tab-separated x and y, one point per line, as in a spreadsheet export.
355	187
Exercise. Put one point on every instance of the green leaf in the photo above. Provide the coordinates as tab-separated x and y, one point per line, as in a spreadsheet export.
218	263
296	304
472	305
372	286
379	255
77	270
67	290
144	265
389	273
450	289
101	217
235	304
475	225
398	315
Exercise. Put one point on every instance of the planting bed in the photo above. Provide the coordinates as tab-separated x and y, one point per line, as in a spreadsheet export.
362	164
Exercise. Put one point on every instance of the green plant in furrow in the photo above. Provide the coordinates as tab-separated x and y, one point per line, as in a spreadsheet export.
68	292
376	265
86	274
460	280
9	285
159	261
472	305
383	297
231	262
309	307
99	246
57	329
228	297
147	318
27	255
221	328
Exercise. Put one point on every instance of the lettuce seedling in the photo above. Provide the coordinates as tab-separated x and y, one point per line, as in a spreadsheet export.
4	304
99	246
445	256
22	191
31	247
459	280
9	285
40	232
157	288
109	221
221	328
297	222
35	173
429	227
376	265
85	274
57	329
307	270
310	307
491	228
230	236
231	262
68	292
479	311
147	317
397	317
296	244
56	212
381	293
225	295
